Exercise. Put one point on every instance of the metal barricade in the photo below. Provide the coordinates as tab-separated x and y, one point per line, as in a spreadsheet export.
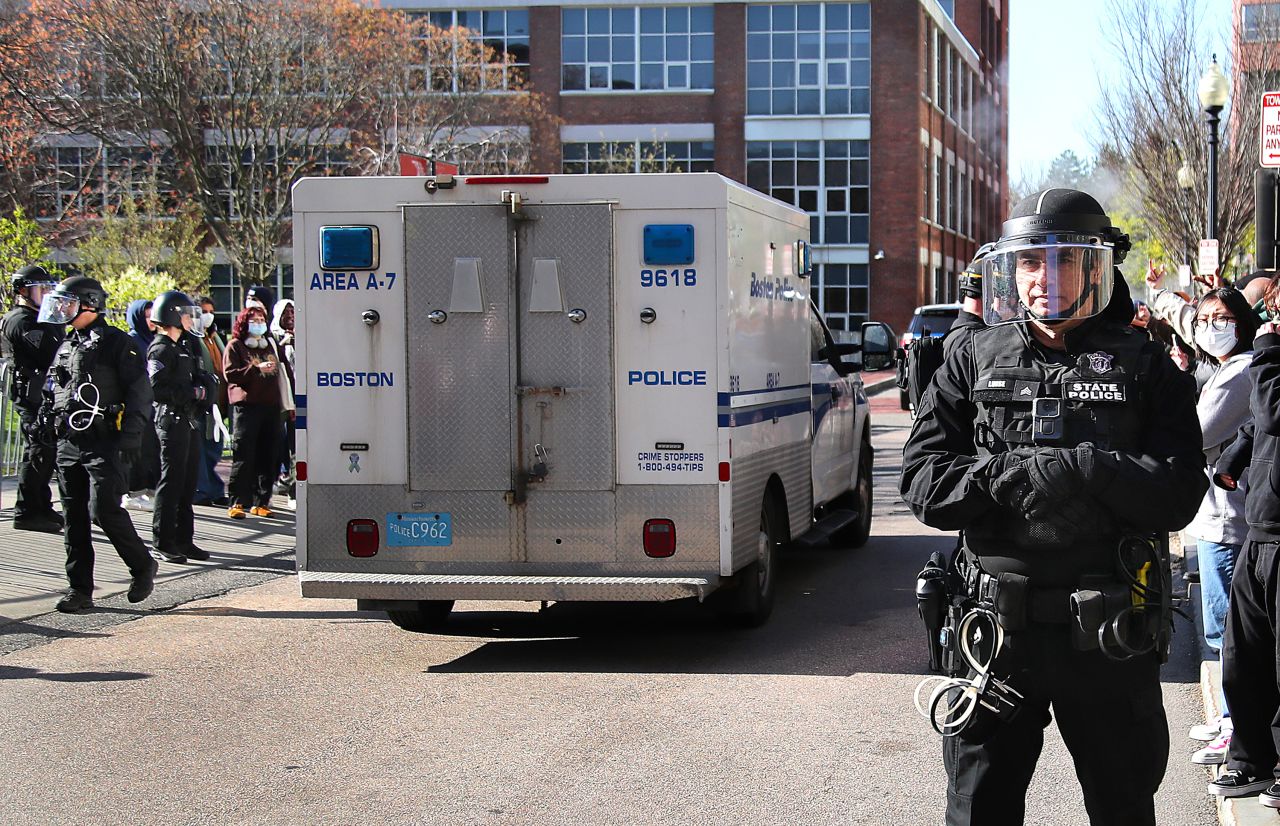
12	446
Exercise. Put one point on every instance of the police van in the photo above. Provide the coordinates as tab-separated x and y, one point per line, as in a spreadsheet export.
547	388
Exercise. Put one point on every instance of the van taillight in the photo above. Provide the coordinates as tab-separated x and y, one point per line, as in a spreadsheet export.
659	537
300	471
724	471
362	537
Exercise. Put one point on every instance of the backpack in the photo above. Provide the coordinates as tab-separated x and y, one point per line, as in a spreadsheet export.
924	357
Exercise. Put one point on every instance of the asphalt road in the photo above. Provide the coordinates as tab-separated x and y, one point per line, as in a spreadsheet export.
258	707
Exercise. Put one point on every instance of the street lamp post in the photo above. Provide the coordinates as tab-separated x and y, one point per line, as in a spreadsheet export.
1213	97
1186	182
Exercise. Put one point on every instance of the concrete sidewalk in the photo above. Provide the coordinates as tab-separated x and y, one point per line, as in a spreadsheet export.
32	565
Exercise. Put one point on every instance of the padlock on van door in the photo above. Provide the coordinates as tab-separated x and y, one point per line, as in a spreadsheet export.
539	464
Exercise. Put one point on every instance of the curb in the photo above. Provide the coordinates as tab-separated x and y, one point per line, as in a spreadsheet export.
879	385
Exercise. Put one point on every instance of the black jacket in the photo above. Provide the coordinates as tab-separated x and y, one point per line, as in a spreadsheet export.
109	359
1156	488
176	370
1258	445
31	346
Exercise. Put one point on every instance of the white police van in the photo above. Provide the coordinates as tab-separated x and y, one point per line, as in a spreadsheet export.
596	387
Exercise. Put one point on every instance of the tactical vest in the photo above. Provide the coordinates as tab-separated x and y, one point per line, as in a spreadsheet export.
78	362
24	381
1097	398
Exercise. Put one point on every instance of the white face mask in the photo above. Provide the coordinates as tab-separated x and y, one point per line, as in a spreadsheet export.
206	321
1217	343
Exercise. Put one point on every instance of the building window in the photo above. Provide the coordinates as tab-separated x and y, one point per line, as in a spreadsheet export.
830	180
629	48
1260	22
842	293
505	32
924	181
638	156
938	187
953	222
809	59
228	293
86	178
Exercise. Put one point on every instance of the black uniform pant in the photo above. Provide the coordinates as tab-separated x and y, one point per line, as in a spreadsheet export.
92	481
1251	660
256	429
36	470
1111	715
181	454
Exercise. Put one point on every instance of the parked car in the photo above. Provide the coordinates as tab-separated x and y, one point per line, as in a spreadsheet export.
932	320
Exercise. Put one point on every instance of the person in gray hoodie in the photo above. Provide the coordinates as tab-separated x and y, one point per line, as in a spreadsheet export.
1223	327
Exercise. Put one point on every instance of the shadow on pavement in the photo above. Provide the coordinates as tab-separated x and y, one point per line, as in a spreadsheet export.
18	673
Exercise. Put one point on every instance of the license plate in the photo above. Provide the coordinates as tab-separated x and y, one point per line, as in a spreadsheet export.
419	530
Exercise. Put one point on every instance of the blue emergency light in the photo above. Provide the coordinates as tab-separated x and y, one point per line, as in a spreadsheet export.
348	248
668	243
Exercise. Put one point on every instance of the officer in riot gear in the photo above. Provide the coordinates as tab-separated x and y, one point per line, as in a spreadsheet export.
1065	446
101	404
29	346
182	390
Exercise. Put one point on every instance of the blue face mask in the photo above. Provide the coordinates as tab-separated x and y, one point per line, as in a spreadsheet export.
257	328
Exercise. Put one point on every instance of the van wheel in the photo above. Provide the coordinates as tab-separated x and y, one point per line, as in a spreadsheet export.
857	534
430	615
753	597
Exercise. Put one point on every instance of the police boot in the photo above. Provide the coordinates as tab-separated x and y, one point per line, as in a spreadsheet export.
74	602
197	553
43	522
143	583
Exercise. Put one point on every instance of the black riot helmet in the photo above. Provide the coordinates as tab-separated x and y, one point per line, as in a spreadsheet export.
75	295
1054	260
170	308
28	277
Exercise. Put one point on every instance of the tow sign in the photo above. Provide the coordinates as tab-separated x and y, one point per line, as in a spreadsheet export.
1270	126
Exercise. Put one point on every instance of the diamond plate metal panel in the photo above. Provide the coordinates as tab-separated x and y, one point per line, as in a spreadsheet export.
750	474
696	512
570	527
391	586
575	426
482	528
460	382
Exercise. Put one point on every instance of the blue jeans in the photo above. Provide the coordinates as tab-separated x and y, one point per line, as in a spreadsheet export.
209	485
1216	562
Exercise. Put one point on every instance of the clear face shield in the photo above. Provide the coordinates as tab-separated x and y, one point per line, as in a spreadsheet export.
58	308
1060	279
191	321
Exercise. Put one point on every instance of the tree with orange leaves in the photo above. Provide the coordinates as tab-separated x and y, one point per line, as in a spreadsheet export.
246	96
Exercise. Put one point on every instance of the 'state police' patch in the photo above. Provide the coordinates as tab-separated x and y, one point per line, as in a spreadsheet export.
1088	390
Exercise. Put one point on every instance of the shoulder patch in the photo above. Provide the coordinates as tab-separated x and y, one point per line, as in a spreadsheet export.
154	366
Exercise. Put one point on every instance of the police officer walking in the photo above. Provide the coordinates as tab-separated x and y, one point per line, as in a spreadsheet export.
182	389
102	402
1065	446
30	346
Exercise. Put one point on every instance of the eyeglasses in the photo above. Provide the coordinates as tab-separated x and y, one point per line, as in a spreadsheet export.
1218	322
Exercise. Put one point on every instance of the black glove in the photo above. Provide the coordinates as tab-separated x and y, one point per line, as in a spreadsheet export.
1050	477
999	466
129	447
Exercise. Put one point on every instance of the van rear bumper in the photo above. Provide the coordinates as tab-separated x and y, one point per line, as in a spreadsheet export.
534	588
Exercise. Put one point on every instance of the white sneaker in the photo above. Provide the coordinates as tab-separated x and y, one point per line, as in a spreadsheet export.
145	503
291	505
1206	731
1214	754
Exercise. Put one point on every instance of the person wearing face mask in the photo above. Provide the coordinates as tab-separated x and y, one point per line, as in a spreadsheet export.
1224	327
257	387
210	489
30	346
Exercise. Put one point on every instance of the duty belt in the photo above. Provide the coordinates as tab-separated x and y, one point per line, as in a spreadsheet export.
1012	597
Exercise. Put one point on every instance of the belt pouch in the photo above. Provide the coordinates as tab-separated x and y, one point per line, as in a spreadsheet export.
1011	601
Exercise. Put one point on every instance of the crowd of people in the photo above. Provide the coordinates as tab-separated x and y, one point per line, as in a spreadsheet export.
138	419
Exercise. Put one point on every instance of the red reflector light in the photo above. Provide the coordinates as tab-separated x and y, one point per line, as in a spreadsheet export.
300	471
659	537
506	179
362	537
724	471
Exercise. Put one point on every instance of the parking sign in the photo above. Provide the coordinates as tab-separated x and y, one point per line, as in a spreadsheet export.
1270	142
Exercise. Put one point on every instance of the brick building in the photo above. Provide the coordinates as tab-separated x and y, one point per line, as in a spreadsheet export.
887	121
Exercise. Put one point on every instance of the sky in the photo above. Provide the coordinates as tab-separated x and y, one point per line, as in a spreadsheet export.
1051	106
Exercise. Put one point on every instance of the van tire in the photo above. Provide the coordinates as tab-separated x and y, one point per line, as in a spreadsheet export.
863	499
430	615
757	583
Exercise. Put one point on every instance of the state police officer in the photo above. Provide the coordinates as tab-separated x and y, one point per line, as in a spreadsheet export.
30	346
182	389
1064	444
102	402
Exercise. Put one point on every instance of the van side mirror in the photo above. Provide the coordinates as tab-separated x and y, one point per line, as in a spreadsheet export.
877	345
